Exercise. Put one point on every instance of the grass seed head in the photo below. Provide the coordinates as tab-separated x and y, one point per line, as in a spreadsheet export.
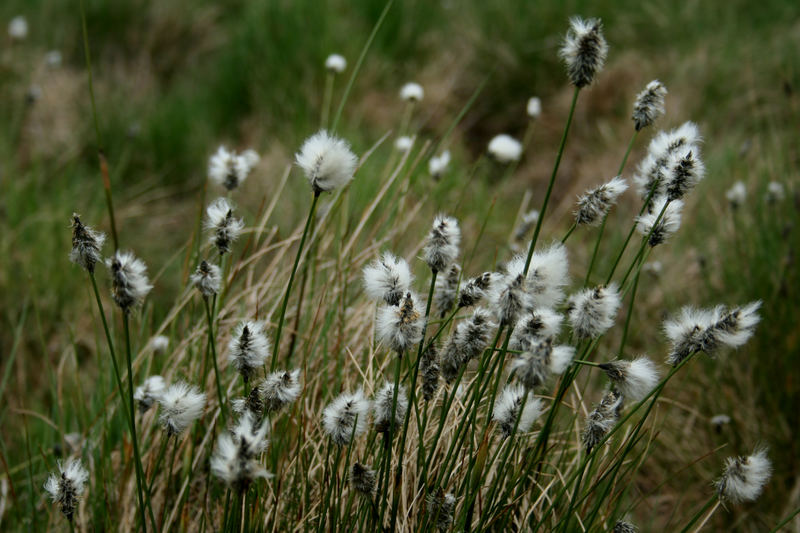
224	227
444	239
207	279
400	327
744	477
666	226
446	290
584	50
412	92
345	417
67	486
634	379
382	408
363	479
86	244
505	149
129	283
592	311
595	204
387	279
248	348
649	105
534	107
327	161
335	63
507	409
181	404
149	392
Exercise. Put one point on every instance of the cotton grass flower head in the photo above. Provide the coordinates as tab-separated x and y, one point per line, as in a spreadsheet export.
86	245
507	409
538	324
744	477
509	298
149	392
228	169
335	63
656	229
541	359
775	192
387	279
382	408
601	419
548	274
584	50
129	283
400	327
649	105
346	417
534	107
717	421
444	239
235	458
438	164
67	486
505	148
53	58
592	312
404	143
685	171
595	204
223	226
429	369
412	92
475	290
363	479
634	379
281	388
446	290
441	507
159	344
327	161
181	404
248	348
737	194
623	526
18	28
652	171
207	279
467	342
527	223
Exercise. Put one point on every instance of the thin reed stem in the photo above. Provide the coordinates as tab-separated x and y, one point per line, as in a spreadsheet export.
212	343
708	505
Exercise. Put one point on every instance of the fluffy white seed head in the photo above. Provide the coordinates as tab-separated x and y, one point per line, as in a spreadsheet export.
527	223
684	171
235	458
505	148
441	506
548	274
584	50
280	389
53	58
595	204
18	28
540	360
327	161
403	144
335	63
129	283
737	325
601	419
467	342
509	298
345	417
659	229
446	290
444	239
159	343
387	279
775	192
592	311
181	404
507	409
86	245
634	379
691	331
228	169
737	194
476	289
400	327
719	420
535	325
149	392
438	164
207	279
363	478
248	348
412	92
744	477
534	108
651	174
382	406
67	485
649	105
429	370
561	358
222	225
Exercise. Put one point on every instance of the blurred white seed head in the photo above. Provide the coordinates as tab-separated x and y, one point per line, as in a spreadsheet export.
685	170
363	478
775	192
159	343
509	298
653	267
534	108
744	477
446	290
18	28
601	419
507	409
717	421
149	392
403	144
505	148
280	389
222	225
666	226
129	283
560	358
207	279
382	408
539	361
235	458
548	274
438	164
181	404
228	169
86	244
412	92
345	417
444	239
441	507
592	311
595	204
737	194
649	105
248	348
634	379
67	485
737	325
475	290
400	327
335	63
533	326
584	50
527	223
387	279
327	161
53	58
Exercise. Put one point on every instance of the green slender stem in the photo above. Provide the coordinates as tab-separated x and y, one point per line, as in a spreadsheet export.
647	200
169	475
552	180
786	520
711	501
277	341
571	230
594	251
388	436
630	313
213	344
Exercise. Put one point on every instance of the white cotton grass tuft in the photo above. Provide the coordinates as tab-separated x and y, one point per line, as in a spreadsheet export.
737	194
717	421
86	245
327	161
382	408
223	226
228	169
736	326
601	419
412	92
540	360
400	327
656	229
129	283
507	407
149	392
475	289
446	290
387	279
346	417
363	478
505	148
595	204
508	297
438	164
159	343
441	506
404	143
775	192
685	170
744	477
652	171
584	50
548	274
18	28
207	279
53	58
535	325
527	223
467	342
430	370
248	348
634	379
280	388
534	107
181	404
592	311
67	486
235	458
441	249
649	105
335	63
